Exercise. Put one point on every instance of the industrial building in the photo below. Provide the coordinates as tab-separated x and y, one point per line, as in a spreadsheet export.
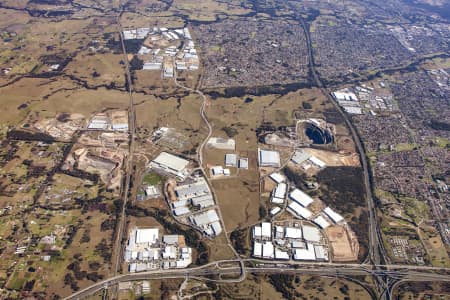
171	164
278	177
301	198
208	221
243	163
230	160
268	158
294	241
335	217
279	193
321	222
300	156
299	211
145	251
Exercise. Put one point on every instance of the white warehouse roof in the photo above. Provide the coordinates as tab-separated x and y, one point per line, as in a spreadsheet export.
299	210
293	233
321	222
279	254
305	254
277	177
170	161
275	210
280	191
301	197
268	158
311	233
257	249
146	235
266	229
333	215
268	250
317	162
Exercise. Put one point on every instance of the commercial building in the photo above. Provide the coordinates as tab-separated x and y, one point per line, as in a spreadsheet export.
257	249
301	198
317	162
277	177
243	163
279	193
306	253
299	211
292	233
335	217
275	211
231	160
170	163
268	158
311	234
321	222
300	156
268	250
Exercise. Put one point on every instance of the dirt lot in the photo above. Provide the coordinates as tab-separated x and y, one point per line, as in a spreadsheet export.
340	244
335	159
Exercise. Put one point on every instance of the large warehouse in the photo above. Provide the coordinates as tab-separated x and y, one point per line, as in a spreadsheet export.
268	158
170	163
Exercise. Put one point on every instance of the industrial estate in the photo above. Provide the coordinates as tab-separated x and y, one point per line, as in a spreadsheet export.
224	149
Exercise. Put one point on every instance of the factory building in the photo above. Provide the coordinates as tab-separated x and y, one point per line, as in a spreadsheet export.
335	217
268	158
170	164
301	198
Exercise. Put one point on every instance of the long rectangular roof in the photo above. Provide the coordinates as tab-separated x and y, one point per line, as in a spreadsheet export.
171	161
321	222
333	215
305	254
299	210
268	158
311	233
301	197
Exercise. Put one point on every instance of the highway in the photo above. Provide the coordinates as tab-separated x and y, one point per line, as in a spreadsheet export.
377	254
132	130
398	273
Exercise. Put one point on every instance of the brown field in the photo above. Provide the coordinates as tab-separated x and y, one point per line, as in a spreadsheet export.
341	244
238	201
334	159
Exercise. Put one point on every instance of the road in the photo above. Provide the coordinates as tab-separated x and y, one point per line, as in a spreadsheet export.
402	273
132	130
200	161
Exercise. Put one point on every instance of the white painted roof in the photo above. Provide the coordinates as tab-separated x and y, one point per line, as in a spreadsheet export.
300	156
280	190
320	252
299	210
266	229
268	250
277	177
275	210
171	161
321	222
279	254
146	235
305	254
268	158
257	231
293	233
301	197
317	162
257	249
277	200
333	215
311	233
